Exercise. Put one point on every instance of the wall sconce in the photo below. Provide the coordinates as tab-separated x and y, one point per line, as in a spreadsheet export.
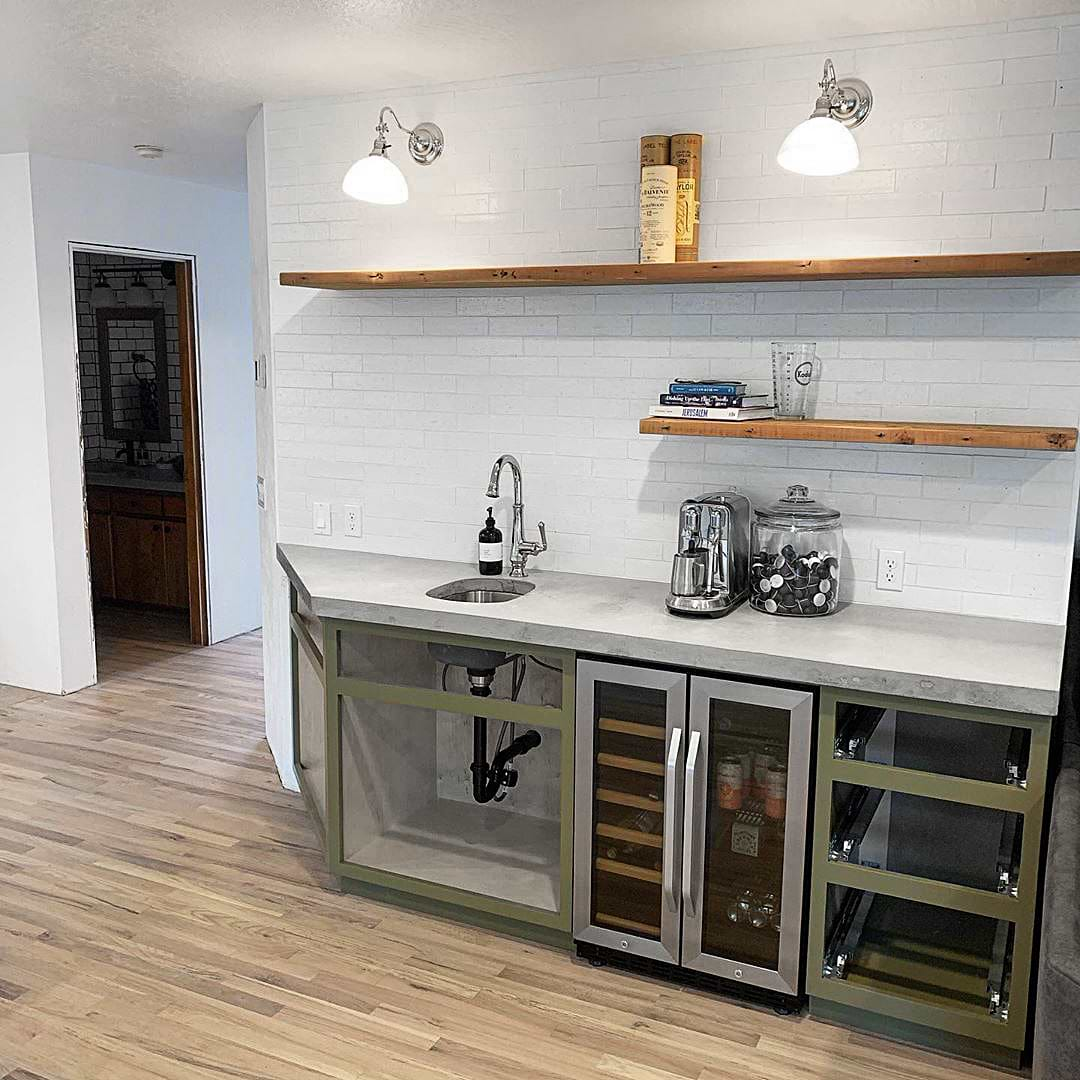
375	178
102	294
138	293
824	145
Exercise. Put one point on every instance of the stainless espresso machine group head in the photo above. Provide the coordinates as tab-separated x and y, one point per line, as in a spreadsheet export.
710	574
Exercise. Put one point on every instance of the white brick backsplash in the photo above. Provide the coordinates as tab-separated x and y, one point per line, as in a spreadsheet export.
399	402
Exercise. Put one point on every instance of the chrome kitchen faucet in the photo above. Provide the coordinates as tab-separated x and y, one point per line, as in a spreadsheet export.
520	548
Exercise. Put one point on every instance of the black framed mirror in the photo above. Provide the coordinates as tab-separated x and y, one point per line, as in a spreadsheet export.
133	373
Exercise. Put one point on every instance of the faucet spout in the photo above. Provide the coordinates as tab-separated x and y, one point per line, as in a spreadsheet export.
496	472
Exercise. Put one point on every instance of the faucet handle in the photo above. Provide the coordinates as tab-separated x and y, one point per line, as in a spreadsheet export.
534	547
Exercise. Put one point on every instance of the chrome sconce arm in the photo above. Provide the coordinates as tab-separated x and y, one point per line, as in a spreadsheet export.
849	101
425	140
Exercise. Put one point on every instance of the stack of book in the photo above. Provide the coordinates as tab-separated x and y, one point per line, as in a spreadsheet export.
711	399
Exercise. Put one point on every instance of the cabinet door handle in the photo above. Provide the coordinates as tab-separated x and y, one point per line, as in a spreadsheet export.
690	823
671	776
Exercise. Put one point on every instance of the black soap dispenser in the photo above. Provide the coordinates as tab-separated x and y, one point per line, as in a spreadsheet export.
490	547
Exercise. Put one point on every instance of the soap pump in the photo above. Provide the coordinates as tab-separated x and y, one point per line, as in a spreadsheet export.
490	547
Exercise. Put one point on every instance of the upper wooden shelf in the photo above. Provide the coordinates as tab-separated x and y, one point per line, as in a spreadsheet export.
890	432
1006	264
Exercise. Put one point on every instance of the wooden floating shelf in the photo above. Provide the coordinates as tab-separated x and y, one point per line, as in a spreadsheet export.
1004	264
888	432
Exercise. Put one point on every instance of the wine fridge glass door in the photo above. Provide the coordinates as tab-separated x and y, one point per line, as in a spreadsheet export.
744	831
630	731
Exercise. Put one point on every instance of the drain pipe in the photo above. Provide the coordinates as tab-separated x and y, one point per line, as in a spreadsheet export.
487	779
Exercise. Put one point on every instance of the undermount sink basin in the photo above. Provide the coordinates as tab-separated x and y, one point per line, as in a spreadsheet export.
480	590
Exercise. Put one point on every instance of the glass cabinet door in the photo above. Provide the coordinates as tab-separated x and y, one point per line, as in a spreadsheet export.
628	807
744	823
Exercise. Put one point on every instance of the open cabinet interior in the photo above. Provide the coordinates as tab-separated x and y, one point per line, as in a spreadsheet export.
921	952
409	799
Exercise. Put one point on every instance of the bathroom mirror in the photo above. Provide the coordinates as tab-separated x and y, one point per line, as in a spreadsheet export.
133	373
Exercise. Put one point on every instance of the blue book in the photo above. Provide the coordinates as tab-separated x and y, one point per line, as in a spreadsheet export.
733	389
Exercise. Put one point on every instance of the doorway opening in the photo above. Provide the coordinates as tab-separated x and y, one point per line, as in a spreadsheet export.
142	462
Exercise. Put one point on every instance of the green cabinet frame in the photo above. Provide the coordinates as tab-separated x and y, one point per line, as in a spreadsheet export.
986	1036
551	926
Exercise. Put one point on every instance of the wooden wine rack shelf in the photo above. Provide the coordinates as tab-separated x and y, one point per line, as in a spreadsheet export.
629	764
629	836
638	873
628	727
887	432
623	798
1004	264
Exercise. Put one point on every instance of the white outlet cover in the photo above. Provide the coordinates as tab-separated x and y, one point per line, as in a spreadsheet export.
890	570
320	519
354	521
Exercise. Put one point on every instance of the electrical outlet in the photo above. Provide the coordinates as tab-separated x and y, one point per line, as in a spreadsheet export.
354	522
890	570
320	519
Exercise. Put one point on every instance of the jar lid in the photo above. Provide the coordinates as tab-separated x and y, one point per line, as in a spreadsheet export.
799	509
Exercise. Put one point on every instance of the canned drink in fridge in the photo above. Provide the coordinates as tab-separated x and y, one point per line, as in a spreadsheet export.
776	793
763	760
747	758
730	783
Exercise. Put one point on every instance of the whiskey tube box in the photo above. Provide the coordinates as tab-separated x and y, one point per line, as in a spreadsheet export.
655	150
686	157
658	197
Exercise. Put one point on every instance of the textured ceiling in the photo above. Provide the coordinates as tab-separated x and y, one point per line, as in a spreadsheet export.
88	78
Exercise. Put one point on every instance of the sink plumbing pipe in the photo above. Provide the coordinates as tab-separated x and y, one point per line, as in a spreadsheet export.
489	780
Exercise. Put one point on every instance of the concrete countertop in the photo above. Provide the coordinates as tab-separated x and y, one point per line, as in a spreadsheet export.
959	659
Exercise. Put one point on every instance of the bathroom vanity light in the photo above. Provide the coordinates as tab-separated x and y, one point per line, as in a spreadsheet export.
102	294
375	178
138	293
824	145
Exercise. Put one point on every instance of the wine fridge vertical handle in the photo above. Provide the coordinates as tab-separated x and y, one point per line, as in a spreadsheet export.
671	787
690	822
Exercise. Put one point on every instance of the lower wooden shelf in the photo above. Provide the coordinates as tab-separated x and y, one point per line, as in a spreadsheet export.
889	432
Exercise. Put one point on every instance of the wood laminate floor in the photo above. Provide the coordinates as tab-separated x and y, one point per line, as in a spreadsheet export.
164	913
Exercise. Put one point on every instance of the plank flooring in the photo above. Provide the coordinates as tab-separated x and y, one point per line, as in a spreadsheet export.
165	915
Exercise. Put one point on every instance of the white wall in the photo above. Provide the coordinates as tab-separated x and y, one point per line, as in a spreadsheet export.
79	203
277	688
29	628
399	402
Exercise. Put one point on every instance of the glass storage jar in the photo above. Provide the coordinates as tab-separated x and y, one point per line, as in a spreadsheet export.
795	556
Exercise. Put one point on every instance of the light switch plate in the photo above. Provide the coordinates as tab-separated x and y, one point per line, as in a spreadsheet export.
260	491
320	519
354	521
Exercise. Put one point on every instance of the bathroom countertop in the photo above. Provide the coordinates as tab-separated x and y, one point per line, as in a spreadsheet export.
162	482
958	659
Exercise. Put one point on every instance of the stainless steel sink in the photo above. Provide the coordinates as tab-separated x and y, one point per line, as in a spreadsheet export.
480	590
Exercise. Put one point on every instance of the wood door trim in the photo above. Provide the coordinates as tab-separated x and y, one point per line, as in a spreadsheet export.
198	605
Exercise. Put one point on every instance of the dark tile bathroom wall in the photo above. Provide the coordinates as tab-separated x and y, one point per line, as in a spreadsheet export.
136	338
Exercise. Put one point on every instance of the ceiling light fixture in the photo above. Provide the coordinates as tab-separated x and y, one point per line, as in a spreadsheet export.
824	145
375	178
147	150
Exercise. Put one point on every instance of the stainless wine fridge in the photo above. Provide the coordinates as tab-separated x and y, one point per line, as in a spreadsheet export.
691	821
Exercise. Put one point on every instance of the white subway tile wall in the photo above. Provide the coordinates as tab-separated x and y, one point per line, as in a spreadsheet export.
400	401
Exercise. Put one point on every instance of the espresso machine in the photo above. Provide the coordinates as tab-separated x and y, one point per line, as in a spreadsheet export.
710	574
